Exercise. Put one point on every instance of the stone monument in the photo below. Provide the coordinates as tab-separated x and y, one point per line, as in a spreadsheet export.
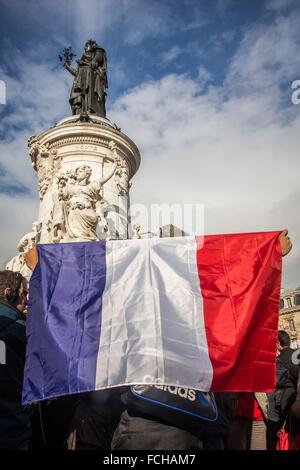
84	163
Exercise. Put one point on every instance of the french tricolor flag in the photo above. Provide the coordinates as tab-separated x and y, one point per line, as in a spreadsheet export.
197	312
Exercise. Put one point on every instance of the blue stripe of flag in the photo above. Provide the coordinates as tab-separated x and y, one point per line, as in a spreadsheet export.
64	319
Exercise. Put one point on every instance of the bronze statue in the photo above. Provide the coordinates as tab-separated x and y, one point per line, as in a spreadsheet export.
88	92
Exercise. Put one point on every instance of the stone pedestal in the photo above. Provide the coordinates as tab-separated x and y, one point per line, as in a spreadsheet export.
84	170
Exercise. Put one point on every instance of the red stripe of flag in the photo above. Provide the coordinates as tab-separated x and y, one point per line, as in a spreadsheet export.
240	279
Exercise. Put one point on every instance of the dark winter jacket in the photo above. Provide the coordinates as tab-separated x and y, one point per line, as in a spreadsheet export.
285	358
15	429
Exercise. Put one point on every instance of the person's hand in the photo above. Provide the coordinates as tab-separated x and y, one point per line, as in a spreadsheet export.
31	258
285	242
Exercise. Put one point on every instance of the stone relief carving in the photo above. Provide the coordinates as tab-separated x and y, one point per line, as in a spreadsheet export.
17	263
58	213
45	161
122	178
30	238
80	140
138	234
102	208
136	231
75	213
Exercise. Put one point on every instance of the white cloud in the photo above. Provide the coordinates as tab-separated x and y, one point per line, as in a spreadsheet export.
267	56
171	54
204	75
228	35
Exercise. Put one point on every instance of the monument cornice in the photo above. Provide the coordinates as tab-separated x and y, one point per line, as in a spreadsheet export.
68	132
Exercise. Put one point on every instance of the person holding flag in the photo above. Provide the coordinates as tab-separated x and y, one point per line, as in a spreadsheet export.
240	279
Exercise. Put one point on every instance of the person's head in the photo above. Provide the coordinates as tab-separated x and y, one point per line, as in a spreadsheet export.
83	173
284	340
137	227
89	45
62	182
72	179
13	289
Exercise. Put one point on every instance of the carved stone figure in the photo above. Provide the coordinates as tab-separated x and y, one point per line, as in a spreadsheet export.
30	238
33	150
122	178
101	211
45	161
136	231
74	213
17	263
88	91
138	234
58	213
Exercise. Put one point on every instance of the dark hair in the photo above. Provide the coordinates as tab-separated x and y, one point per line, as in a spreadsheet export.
11	280
284	338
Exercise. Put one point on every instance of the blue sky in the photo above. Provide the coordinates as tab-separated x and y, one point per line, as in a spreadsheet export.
202	87
144	39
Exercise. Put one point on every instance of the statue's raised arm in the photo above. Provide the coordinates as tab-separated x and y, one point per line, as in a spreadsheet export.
97	184
109	175
70	69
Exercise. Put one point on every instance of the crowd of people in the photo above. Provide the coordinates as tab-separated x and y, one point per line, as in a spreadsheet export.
148	417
